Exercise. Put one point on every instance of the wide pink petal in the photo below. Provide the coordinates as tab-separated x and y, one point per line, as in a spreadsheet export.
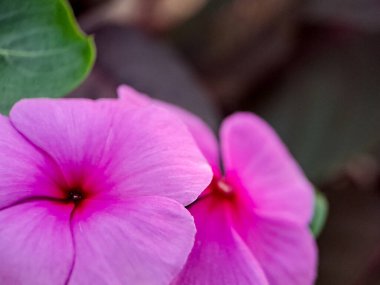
155	155
219	256
36	245
141	241
285	250
106	147
73	132
255	158
24	171
202	134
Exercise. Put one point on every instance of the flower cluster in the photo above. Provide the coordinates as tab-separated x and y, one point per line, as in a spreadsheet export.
131	191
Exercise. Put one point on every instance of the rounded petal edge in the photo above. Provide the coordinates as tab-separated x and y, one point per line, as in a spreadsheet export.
254	155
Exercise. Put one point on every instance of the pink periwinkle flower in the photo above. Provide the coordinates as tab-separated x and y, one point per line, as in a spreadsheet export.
252	220
93	192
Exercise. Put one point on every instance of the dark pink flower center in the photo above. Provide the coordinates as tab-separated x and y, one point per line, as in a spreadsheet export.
222	188
75	196
219	189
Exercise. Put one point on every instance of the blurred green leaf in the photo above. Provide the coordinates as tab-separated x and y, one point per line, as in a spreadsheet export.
320	214
42	51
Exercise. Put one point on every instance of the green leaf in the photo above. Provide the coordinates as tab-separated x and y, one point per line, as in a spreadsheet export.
43	53
320	214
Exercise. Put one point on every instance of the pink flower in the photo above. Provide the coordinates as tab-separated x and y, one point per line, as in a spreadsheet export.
93	193
252	221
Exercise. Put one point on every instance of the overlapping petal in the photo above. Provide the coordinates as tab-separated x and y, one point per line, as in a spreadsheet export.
237	244
255	157
141	241
35	244
219	255
114	150
202	134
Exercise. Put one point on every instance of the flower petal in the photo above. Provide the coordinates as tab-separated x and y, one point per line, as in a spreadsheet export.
35	243
285	250
162	158
73	132
255	157
141	241
202	134
24	171
133	97
219	256
108	148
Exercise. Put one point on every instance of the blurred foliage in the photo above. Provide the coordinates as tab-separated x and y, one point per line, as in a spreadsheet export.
42	51
320	213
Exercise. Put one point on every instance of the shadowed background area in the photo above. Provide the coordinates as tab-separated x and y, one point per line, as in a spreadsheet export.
311	68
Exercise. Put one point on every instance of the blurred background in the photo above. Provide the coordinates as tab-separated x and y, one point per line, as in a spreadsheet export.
311	68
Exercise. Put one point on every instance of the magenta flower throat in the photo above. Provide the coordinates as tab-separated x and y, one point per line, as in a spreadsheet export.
94	193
